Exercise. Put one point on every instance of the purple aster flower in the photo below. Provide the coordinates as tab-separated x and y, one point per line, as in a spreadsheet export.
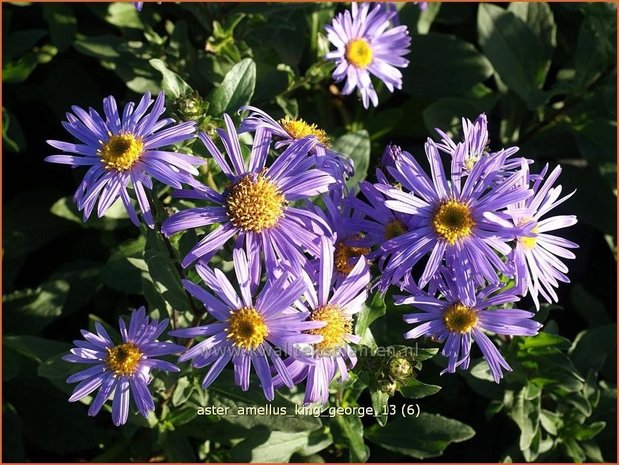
247	331
474	146
346	223
367	44
335	305
120	370
125	150
538	268
459	317
256	206
380	224
138	5
461	221
287	130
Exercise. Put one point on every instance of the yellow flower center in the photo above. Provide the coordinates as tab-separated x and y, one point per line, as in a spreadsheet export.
345	253
334	332
298	129
255	204
394	228
452	220
359	53
123	359
459	318
470	163
528	242
121	152
246	328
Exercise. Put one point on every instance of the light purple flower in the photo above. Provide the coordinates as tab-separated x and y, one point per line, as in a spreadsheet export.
536	255
459	220
459	316
287	130
379	224
247	331
256	206
475	145
347	224
125	150
367	44
335	304
121	370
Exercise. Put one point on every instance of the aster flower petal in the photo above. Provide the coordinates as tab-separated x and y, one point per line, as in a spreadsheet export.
124	150
122	368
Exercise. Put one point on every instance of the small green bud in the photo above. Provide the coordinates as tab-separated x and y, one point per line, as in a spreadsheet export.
400	368
387	386
190	106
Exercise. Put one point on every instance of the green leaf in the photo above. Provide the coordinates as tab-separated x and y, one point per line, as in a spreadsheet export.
355	145
125	269
544	340
172	84
18	71
594	51
12	135
588	307
421	437
539	18
236	89
447	113
182	392
30	310
513	49
460	67
62	24
102	47
348	430
115	217
380	404
35	348
427	16
164	273
225	393
592	347
550	421
177	447
597	141
13	441
526	413
124	15
586	432
20	42
264	446
424	354
369	313
415	389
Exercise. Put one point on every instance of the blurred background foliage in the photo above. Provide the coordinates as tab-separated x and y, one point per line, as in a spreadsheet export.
545	74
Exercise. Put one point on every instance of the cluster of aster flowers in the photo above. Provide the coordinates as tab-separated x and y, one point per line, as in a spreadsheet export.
463	240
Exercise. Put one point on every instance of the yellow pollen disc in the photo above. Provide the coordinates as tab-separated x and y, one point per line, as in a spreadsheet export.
334	332
394	228
359	53
246	328
344	253
298	129
528	242
255	204
452	220
470	163
459	318
121	152
123	359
